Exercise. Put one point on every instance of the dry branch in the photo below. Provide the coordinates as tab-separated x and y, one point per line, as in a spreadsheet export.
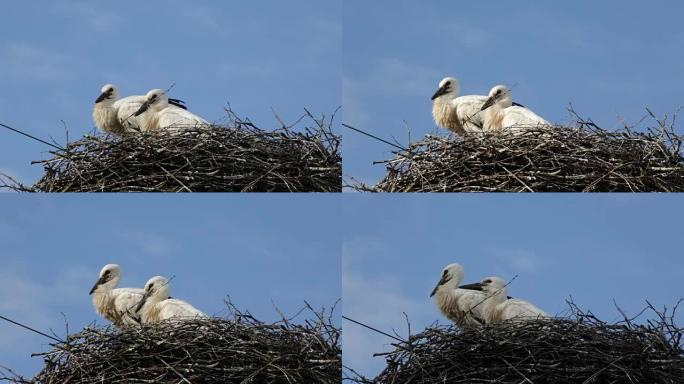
585	158
580	349
236	350
234	158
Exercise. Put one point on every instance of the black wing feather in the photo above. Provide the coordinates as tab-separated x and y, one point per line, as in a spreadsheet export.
178	103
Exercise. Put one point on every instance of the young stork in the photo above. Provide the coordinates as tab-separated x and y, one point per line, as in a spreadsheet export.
462	306
156	113
115	304
499	307
459	114
500	113
156	305
113	114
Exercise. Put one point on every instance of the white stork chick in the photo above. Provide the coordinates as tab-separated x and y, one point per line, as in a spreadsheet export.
115	304
500	113
114	115
156	113
462	306
109	110
156	305
460	115
499	307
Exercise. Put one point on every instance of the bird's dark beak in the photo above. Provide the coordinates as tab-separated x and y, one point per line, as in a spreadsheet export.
99	281
141	303
442	90
488	103
142	109
472	287
103	96
442	281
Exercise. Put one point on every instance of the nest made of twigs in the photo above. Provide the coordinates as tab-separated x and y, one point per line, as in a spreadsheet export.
582	349
238	157
585	158
215	350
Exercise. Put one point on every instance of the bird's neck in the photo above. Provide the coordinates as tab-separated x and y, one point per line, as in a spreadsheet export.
446	117
492	117
103	300
498	296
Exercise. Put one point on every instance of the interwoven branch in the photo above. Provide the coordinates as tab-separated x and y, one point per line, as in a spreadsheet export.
559	159
580	349
233	158
236	350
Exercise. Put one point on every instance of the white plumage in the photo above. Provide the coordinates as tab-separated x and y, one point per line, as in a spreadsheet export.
117	115
156	113
115	304
156	305
114	115
459	114
500	113
498	307
462	306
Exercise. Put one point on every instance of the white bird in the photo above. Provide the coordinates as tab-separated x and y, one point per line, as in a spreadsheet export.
115	115
499	307
156	305
457	114
115	304
156	113
462	306
500	113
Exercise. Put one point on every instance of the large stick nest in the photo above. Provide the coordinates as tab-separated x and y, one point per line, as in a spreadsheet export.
234	158
585	158
578	350
238	350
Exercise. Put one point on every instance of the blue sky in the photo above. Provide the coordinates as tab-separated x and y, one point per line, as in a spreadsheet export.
261	252
257	55
610	59
597	248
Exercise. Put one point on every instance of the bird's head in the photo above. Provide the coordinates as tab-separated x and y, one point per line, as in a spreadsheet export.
448	88
500	95
155	99
156	289
108	93
452	275
109	277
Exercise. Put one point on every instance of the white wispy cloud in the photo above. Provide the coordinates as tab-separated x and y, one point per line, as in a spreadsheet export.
96	16
509	262
355	112
377	301
325	37
38	303
386	78
29	61
376	298
149	243
203	16
563	32
466	35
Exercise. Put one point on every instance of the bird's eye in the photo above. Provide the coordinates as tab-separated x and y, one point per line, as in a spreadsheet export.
487	281
448	83
445	273
498	92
